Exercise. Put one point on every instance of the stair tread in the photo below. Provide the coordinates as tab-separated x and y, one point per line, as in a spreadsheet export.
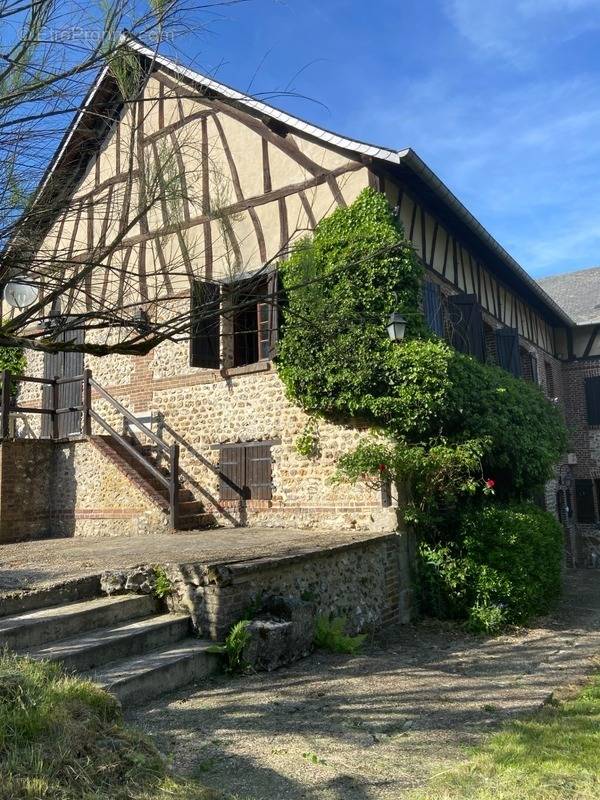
122	671
53	613
103	636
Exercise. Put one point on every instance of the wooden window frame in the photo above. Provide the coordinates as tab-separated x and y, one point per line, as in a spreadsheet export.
592	400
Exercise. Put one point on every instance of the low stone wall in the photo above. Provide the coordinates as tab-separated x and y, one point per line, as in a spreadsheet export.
367	582
25	489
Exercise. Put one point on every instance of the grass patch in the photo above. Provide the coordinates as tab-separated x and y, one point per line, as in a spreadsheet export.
552	755
63	738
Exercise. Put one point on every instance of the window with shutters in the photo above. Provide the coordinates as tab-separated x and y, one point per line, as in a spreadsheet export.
584	501
466	325
251	327
592	400
245	471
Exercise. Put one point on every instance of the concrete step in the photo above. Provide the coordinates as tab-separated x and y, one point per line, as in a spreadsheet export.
101	646
33	628
163	670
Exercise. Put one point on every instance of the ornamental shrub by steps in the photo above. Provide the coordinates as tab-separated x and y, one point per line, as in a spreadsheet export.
504	567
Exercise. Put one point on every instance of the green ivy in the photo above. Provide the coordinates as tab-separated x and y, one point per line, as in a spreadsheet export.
341	288
449	431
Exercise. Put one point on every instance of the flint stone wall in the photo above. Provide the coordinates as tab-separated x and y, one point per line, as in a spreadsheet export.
366	582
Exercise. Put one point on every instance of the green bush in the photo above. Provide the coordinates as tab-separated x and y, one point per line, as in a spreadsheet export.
504	567
13	360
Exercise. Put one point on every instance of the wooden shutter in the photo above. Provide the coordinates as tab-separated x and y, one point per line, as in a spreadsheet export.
273	292
206	327
232	469
432	307
584	500
258	471
64	364
467	324
507	347
592	400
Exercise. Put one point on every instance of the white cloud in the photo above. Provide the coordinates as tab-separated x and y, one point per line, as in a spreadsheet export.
517	31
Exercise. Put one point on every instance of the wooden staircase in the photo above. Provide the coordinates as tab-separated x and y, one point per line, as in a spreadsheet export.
192	514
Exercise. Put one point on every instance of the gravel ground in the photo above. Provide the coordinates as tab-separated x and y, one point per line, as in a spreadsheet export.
374	727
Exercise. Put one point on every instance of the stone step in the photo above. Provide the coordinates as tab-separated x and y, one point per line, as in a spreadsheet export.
34	628
151	674
89	650
195	522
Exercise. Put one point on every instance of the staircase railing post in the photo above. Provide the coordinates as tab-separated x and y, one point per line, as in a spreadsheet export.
5	424
87	402
174	485
55	401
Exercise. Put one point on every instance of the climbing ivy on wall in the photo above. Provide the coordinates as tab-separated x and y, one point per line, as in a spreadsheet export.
445	427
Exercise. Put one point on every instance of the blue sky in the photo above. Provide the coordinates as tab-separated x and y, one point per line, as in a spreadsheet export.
500	97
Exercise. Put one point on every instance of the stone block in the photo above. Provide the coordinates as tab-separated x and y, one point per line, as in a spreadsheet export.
282	633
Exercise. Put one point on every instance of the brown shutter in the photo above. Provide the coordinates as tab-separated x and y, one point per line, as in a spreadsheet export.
232	469
592	400
205	328
584	500
273	292
507	347
258	471
466	324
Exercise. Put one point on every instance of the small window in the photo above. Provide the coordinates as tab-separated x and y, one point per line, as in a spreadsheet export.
528	365
246	471
592	400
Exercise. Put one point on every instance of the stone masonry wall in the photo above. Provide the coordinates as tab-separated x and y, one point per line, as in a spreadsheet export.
70	489
366	582
25	489
205	408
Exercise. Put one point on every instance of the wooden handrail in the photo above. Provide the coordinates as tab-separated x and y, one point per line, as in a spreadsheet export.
130	448
128	415
170	482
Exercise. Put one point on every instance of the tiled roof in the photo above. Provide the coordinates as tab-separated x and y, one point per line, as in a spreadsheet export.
577	292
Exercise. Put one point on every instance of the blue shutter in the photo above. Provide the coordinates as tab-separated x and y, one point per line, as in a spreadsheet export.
432	307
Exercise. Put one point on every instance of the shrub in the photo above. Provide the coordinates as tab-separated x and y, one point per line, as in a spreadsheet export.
503	568
330	635
13	360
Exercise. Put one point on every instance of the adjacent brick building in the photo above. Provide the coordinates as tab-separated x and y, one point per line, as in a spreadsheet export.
252	180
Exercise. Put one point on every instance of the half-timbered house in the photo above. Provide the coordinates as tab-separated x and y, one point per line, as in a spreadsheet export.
252	179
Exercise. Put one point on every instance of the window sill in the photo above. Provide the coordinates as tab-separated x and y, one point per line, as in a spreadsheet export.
247	369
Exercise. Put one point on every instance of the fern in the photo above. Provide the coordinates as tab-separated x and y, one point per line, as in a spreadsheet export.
330	635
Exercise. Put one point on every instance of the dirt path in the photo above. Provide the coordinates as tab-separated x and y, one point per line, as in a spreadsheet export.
373	727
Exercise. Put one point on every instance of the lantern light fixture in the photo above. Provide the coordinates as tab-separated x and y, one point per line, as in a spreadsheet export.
396	327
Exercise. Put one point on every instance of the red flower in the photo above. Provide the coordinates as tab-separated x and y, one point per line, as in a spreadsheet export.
490	483
382	468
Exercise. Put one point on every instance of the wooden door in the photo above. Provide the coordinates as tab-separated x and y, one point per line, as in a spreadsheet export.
64	364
